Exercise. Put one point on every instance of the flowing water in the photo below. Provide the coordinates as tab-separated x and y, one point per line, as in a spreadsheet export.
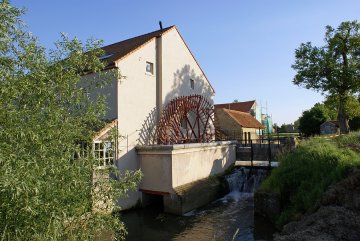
228	218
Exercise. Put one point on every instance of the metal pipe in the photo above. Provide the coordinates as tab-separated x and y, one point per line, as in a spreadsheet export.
159	103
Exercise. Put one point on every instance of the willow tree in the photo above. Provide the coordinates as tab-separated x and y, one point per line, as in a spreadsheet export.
45	193
332	69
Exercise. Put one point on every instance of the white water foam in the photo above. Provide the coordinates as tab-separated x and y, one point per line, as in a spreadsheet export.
243	183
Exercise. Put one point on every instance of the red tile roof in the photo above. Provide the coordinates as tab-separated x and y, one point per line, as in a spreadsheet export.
239	106
121	49
244	119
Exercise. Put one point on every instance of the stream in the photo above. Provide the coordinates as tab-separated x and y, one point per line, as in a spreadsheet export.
228	218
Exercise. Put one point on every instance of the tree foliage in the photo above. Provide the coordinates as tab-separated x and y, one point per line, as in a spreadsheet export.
44	193
351	106
333	68
282	128
296	125
310	121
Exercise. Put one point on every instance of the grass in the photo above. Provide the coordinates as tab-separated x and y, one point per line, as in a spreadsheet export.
305	173
284	134
345	140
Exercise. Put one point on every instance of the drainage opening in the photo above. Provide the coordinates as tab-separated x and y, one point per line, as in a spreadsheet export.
155	201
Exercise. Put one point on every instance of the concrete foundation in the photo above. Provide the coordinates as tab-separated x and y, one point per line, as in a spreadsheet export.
180	173
193	195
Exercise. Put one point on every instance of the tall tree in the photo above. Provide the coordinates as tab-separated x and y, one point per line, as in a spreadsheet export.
45	194
351	106
296	125
333	68
283	128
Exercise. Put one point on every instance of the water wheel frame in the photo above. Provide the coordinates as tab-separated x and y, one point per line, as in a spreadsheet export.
195	112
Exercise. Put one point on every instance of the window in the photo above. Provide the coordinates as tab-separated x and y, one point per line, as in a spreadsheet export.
104	152
192	84
149	68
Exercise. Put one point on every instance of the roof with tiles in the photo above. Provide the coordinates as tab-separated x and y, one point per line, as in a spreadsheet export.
244	119
121	49
238	106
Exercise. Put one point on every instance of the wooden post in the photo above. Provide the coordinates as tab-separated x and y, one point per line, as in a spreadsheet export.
252	153
278	139
269	152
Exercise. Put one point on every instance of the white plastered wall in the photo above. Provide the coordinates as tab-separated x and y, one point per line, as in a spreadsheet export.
179	66
109	90
136	95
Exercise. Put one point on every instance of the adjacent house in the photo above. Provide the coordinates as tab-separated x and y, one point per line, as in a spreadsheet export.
250	107
253	108
329	127
156	68
237	124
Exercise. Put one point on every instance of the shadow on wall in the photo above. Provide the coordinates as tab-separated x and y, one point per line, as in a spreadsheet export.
148	129
218	164
182	85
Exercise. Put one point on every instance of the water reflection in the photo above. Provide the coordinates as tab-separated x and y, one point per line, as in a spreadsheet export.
228	218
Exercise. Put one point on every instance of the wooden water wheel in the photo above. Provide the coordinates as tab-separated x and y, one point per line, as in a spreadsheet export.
186	119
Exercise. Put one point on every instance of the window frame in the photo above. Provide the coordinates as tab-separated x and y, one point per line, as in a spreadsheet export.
192	84
151	70
104	152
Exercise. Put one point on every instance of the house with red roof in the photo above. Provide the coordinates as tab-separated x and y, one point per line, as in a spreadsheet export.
238	124
254	109
245	106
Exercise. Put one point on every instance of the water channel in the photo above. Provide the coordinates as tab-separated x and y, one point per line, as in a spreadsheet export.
228	218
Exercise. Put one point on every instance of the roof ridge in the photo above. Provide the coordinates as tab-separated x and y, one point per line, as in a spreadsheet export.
142	35
236	102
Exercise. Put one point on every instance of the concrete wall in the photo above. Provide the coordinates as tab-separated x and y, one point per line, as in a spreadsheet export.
167	167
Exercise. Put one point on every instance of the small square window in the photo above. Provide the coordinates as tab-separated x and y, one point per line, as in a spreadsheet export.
192	84
149	68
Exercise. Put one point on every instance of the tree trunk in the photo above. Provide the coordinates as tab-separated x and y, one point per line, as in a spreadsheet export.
342	118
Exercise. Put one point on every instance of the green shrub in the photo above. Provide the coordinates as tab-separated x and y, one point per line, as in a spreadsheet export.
47	190
305	173
351	139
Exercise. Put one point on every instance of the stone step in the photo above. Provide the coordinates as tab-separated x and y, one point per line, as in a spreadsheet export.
256	163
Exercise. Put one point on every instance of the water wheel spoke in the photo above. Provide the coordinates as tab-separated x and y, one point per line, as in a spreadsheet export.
193	113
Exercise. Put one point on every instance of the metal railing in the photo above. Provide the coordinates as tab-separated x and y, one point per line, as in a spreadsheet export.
264	146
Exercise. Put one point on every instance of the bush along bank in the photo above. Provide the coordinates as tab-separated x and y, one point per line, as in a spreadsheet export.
303	176
336	216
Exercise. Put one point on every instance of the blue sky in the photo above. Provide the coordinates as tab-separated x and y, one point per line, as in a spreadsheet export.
246	48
